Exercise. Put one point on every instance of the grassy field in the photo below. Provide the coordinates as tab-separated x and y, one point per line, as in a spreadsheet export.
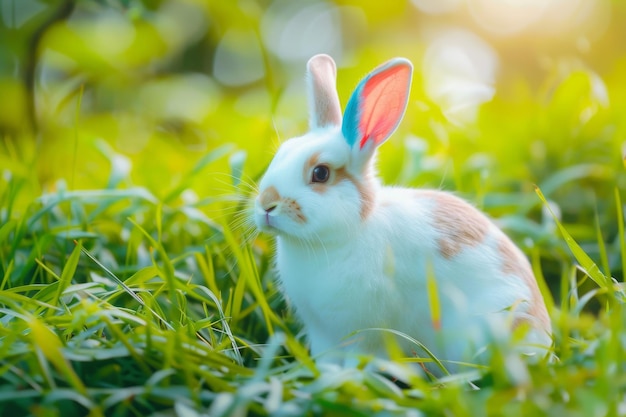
130	286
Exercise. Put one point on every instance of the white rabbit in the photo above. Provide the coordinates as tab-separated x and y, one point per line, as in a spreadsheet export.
353	254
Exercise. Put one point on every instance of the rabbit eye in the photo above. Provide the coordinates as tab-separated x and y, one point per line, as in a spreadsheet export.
321	173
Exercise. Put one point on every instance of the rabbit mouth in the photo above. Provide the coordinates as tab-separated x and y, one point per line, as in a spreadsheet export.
267	223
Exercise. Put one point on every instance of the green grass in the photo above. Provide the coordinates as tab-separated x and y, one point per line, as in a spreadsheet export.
128	301
130	285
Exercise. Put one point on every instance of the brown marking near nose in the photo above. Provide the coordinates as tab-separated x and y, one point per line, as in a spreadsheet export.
294	211
514	263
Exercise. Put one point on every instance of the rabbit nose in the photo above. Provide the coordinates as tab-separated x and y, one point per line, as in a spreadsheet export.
270	207
269	199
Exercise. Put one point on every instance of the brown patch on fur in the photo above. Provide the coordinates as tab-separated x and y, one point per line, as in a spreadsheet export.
510	258
459	223
269	198
514	263
319	188
365	190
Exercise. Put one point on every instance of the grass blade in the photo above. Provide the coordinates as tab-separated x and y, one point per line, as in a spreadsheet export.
126	288
68	271
251	275
620	226
604	257
167	271
433	297
588	266
50	345
541	280
414	341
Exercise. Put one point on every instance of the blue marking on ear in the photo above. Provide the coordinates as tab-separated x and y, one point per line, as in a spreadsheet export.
350	126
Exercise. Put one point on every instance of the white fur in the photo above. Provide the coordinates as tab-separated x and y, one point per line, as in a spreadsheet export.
344	273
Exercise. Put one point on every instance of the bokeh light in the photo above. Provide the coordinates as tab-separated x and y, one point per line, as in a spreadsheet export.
17	14
508	16
459	72
203	71
297	31
437	7
238	58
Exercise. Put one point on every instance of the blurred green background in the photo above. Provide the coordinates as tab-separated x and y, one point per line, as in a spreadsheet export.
506	94
139	127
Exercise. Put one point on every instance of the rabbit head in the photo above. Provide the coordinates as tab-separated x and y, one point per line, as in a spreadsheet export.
321	185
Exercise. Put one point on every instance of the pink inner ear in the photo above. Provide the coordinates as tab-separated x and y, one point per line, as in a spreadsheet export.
383	103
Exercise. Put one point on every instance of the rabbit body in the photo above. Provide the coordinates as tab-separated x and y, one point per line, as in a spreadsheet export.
356	256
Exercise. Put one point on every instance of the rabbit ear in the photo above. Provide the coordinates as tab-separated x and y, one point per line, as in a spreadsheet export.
378	104
324	106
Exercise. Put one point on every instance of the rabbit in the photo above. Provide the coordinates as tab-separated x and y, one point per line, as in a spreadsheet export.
353	255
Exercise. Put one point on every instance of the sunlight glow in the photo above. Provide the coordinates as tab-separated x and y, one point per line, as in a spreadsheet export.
508	17
295	33
437	7
238	58
459	73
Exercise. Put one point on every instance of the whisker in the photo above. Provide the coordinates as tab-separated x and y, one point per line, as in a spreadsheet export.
243	185
277	140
